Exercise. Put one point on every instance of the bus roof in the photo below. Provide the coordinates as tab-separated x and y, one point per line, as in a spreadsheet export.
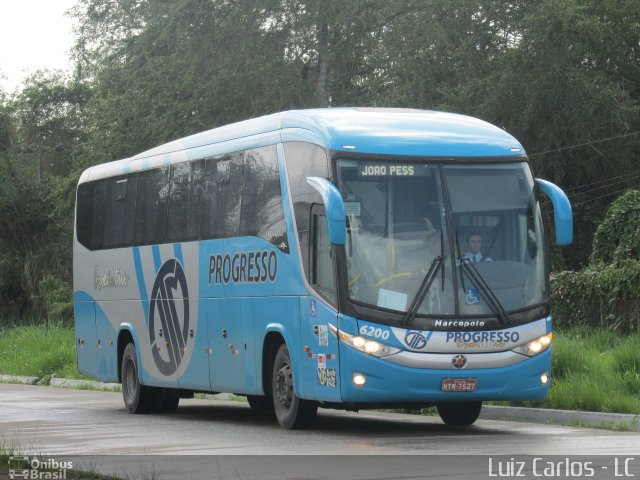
383	131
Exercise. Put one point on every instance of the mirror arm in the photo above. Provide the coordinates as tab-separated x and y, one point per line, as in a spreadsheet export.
562	214
334	208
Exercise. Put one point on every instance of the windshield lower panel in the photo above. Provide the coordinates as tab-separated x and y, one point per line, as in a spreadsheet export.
483	220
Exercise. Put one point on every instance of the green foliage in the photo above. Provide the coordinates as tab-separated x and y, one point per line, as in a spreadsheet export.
38	350
600	295
57	301
37	179
606	292
34	237
594	369
617	238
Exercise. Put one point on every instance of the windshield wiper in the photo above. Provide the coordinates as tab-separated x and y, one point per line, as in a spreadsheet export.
422	291
492	300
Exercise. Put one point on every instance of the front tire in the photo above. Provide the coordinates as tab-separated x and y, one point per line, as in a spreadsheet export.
137	398
458	414
292	411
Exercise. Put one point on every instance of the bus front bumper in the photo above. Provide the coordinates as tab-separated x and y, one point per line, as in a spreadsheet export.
385	381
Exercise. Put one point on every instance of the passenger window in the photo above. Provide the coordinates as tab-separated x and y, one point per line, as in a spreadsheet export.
121	197
262	211
151	208
222	196
185	201
99	214
90	214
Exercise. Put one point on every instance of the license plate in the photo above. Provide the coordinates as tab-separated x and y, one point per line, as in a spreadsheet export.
459	384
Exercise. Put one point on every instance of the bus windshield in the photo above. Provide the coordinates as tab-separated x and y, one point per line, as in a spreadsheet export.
482	220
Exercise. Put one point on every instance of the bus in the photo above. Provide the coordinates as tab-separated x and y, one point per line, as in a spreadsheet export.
320	258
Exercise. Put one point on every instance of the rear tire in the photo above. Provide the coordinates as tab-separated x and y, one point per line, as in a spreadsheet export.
292	411
458	414
260	403
137	398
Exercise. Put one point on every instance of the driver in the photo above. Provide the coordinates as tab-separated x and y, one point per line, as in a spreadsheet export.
474	253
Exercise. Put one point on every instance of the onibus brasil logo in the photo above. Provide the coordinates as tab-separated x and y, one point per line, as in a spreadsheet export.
23	467
171	312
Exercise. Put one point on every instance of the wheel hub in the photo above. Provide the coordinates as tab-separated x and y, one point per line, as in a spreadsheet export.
284	386
130	372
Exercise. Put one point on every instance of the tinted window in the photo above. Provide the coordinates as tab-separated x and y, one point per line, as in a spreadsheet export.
185	202
121	197
151	209
99	214
262	212
222	196
90	214
84	213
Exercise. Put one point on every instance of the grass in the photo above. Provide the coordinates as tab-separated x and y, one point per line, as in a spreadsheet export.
593	370
38	350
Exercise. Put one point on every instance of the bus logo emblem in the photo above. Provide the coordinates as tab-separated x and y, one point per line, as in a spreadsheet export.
171	316
415	340
459	361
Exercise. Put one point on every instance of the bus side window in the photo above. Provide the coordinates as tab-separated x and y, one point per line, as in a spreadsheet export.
262	211
222	196
151	206
321	262
185	201
121	197
91	214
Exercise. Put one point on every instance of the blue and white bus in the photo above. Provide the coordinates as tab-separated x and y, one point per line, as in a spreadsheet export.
341	258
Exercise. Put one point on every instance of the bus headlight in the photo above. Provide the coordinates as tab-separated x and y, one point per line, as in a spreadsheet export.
534	347
367	346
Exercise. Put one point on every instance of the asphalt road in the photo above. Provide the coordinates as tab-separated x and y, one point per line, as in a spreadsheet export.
226	439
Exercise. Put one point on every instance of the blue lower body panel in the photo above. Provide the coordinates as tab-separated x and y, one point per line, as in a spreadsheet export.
389	382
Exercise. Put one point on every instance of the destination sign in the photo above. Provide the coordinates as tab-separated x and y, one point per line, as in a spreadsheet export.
392	170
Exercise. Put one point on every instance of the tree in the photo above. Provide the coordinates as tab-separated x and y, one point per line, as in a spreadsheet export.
193	65
43	128
572	79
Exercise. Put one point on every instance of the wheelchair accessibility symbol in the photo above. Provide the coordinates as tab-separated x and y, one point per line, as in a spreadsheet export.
472	296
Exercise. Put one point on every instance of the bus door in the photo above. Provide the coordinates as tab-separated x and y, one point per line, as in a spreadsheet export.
106	345
84	314
321	363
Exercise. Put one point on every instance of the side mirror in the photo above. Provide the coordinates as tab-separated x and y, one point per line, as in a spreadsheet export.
334	209
562	215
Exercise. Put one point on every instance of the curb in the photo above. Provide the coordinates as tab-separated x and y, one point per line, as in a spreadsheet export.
84	384
19	379
610	421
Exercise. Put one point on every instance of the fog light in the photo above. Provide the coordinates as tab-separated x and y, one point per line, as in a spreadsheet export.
544	378
359	380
